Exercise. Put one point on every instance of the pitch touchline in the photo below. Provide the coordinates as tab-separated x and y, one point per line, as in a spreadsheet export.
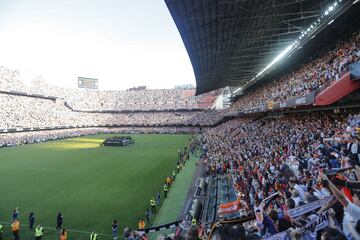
67	229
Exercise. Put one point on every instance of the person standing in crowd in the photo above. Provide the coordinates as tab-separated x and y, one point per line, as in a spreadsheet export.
351	209
353	148
59	221
114	228
158	198
15	228
31	220
152	205
141	224
63	235
332	234
166	189
1	231
93	236
39	232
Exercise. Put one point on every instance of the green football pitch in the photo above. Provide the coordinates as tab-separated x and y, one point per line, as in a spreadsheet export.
89	184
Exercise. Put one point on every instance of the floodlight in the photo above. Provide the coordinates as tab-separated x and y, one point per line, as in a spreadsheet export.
278	57
239	89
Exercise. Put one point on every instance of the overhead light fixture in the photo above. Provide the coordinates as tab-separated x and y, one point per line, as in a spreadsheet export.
303	34
239	89
276	59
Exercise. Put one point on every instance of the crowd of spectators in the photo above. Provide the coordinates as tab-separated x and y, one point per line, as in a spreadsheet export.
40	105
276	164
20	138
18	111
96	100
309	77
279	164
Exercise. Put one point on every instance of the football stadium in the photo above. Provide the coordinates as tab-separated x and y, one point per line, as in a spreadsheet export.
180	119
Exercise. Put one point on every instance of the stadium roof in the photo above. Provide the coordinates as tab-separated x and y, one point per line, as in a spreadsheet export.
229	42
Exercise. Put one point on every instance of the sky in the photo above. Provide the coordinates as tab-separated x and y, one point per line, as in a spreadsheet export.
123	43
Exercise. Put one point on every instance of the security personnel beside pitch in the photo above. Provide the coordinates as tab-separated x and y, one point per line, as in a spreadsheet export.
147	215
153	205
59	221
63	235
173	174
31	220
169	180
93	236
142	224
39	232
15	228
1	231
114	228
166	189
193	221
158	198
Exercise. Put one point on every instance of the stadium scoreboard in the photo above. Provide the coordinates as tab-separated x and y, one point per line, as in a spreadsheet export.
91	83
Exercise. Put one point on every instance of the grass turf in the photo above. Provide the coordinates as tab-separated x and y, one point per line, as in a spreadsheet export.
89	184
173	204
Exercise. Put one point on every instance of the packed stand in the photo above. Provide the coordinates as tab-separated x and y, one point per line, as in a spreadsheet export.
21	138
30	112
96	100
309	77
278	165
